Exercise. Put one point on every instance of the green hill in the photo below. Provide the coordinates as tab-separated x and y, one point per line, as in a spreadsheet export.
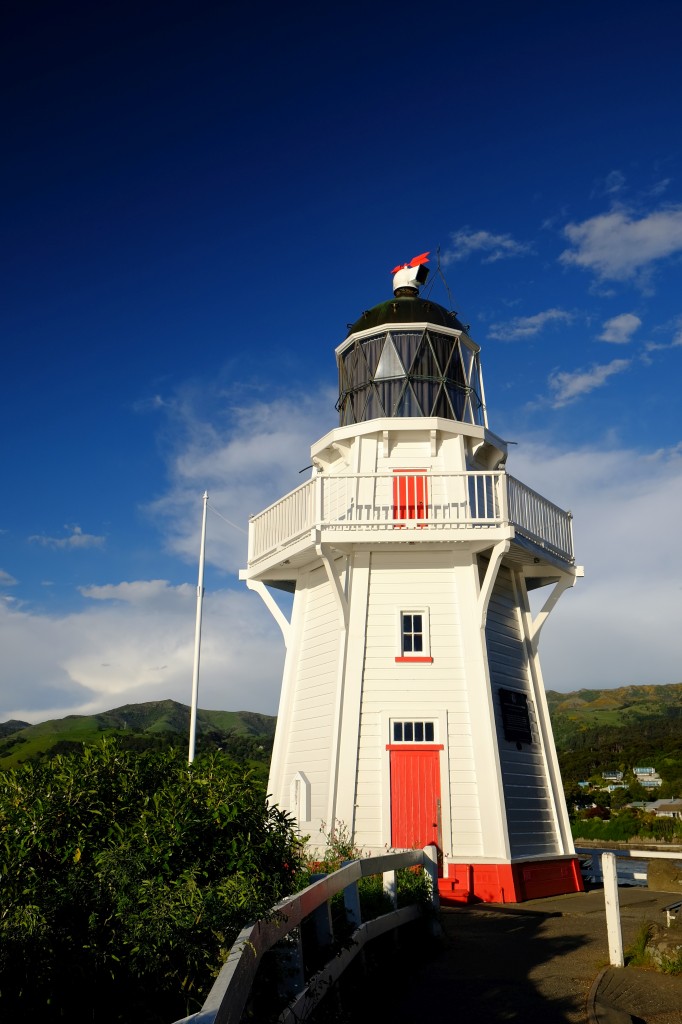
156	723
594	730
588	711
7	728
601	730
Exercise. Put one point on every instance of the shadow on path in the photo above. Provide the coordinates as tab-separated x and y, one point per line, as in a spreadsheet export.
493	965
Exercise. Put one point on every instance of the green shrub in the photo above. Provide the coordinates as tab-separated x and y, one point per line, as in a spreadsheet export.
125	878
412	884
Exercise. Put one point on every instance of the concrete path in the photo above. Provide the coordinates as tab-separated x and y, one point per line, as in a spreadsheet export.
545	961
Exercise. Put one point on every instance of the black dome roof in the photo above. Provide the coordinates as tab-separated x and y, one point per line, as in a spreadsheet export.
406	309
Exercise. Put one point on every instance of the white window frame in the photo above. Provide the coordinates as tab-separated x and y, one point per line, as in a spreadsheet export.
413	721
411	657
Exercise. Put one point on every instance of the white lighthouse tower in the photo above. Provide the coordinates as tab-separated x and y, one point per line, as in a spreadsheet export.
413	708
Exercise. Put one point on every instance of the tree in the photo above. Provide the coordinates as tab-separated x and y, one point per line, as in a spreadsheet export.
619	798
126	878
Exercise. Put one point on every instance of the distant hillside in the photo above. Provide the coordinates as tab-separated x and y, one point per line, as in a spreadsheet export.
7	728
598	730
156	723
585	711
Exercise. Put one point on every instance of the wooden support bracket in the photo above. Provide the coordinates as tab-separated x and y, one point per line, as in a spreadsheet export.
496	556
334	578
272	606
561	585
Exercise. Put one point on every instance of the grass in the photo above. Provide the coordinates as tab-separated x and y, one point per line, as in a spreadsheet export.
637	953
671	964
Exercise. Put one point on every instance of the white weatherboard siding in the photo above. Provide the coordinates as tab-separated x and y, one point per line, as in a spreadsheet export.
527	792
400	581
308	737
342	685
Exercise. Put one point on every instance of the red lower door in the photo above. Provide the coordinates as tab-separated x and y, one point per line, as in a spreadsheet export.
415	796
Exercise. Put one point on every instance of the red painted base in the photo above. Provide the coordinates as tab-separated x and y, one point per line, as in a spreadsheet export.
510	883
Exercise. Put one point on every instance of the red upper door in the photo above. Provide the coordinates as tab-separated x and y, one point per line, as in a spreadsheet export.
415	795
410	494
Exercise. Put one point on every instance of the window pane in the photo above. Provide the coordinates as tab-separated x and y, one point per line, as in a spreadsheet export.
397	732
407	643
407	623
417	623
428	732
419	732
408	732
418	642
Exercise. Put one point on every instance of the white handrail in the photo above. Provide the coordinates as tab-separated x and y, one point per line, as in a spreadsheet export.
351	502
226	1001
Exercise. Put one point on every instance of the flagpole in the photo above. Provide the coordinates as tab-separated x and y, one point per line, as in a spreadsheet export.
197	636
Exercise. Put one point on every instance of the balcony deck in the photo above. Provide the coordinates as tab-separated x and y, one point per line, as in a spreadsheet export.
362	507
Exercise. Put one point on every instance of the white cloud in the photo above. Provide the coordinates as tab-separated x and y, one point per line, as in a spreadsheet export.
619	625
133	640
659	187
76	539
675	342
618	246
465	243
246	466
139	592
619	329
528	326
6	579
614	182
567	387
134	644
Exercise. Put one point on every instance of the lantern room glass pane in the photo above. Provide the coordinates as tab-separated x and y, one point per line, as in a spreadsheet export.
408	404
361	374
390	392
389	364
468	357
458	402
406	344
455	369
441	406
425	391
373	408
442	345
425	364
372	348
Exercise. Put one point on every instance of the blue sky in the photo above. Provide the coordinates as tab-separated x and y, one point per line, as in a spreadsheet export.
198	199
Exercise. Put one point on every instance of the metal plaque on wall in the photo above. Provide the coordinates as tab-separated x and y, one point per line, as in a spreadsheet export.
515	716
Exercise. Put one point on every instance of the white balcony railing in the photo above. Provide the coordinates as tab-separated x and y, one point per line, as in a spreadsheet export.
353	502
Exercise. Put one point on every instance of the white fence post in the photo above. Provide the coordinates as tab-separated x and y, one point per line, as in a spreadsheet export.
391	887
612	904
431	868
351	901
322	920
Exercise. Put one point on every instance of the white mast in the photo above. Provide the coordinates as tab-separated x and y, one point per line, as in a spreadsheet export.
197	636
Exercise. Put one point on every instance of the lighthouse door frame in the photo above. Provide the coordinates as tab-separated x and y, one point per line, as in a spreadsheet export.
440	718
416	802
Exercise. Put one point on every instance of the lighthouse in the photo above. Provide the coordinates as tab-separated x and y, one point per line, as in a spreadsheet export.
412	707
